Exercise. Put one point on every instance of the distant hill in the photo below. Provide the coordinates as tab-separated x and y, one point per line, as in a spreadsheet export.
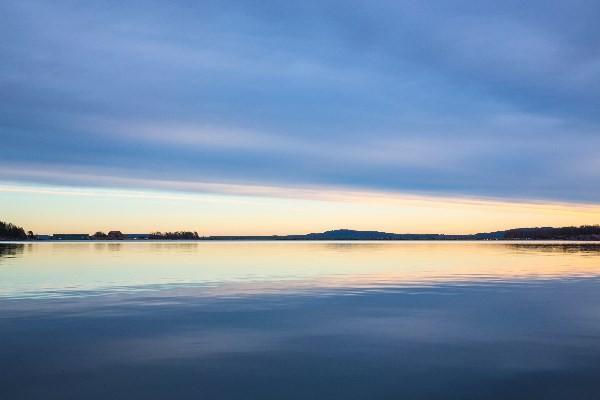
586	232
337	234
349	234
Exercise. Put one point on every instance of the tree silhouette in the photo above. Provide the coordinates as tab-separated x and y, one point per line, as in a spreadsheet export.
10	231
179	235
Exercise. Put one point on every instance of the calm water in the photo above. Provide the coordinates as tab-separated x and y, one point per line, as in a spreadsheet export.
301	320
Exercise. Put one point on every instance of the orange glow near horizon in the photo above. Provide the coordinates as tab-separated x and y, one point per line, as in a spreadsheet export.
266	211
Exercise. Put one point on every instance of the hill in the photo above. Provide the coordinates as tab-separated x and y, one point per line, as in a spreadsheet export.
586	232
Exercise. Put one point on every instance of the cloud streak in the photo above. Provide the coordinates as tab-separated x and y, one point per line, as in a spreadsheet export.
476	100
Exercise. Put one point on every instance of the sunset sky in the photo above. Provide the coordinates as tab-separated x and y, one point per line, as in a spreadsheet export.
261	117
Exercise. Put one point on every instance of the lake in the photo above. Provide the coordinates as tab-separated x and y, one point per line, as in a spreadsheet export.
300	320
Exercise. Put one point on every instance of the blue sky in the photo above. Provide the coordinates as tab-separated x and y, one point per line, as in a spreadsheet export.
480	99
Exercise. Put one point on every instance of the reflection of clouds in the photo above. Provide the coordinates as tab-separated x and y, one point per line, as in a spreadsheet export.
189	345
506	329
462	337
224	269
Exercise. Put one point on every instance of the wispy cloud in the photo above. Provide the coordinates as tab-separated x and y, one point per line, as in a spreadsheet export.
478	100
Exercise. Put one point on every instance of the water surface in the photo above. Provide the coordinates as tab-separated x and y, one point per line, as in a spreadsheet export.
298	320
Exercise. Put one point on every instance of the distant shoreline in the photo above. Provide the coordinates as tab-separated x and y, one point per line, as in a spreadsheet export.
239	240
300	241
582	233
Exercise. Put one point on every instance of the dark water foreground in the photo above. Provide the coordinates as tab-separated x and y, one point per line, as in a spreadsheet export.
300	321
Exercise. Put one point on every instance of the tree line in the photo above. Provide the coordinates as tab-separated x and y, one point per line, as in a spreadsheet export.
9	231
584	232
179	235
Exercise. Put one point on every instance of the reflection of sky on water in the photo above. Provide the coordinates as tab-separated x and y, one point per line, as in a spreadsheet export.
67	269
525	325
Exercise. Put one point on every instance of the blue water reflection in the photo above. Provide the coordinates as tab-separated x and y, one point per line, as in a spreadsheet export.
300	320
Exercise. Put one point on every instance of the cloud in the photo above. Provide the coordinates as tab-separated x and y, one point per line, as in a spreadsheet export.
480	99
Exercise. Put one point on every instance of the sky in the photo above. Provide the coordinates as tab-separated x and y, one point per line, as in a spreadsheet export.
290	117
